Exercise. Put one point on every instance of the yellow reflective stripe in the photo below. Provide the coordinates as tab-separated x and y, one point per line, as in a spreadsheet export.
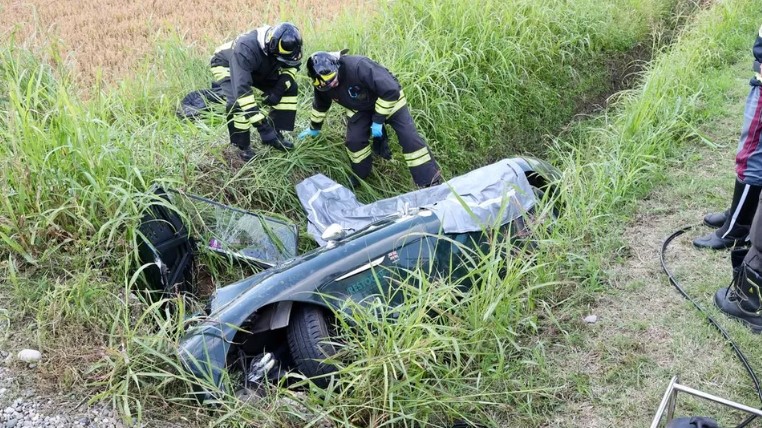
420	161
286	103
247	101
760	31
220	72
401	103
388	108
286	106
317	116
382	109
289	71
351	112
416	154
418	157
240	122
386	103
256	119
359	156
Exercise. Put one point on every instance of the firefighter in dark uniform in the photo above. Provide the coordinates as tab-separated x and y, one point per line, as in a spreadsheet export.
373	97
265	59
733	224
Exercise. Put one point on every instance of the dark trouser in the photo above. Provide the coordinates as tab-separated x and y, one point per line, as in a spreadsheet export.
420	161
282	116
754	256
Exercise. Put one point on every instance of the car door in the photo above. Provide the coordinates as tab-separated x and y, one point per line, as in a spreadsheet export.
382	275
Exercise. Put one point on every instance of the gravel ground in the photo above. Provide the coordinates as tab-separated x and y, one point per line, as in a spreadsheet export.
23	407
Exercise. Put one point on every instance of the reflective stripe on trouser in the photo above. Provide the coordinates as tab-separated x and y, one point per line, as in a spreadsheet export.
360	158
283	114
358	147
418	157
238	130
238	126
739	208
423	167
749	154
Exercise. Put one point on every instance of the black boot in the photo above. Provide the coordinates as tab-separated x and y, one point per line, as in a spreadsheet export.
246	154
273	137
715	220
741	299
738	221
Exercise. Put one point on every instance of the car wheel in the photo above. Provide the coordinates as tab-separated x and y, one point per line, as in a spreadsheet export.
309	336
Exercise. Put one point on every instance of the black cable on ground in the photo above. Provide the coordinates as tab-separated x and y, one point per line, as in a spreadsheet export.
709	318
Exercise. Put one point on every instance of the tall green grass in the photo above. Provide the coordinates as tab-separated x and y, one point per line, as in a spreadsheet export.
491	78
484	81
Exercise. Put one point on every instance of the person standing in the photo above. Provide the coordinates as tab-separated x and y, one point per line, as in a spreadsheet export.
733	224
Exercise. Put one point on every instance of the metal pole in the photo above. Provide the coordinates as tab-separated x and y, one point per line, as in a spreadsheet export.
716	399
664	401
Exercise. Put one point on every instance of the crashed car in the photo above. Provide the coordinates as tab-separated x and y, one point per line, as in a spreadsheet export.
285	312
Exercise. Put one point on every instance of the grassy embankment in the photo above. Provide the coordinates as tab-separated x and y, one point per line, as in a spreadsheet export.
74	173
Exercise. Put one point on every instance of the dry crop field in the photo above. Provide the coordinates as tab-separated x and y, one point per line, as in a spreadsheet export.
109	37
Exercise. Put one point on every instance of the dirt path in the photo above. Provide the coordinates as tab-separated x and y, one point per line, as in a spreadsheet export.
614	372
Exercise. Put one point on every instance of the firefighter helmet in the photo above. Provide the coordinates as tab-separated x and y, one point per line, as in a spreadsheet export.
284	42
323	69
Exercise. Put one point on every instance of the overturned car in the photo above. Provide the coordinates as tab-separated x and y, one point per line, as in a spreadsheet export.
285	312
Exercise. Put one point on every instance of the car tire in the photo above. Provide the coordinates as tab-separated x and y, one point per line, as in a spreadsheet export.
309	335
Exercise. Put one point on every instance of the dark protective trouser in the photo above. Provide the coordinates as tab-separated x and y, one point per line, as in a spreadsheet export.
754	257
423	167
282	116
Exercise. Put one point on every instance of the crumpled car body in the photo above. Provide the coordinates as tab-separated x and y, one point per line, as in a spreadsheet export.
252	315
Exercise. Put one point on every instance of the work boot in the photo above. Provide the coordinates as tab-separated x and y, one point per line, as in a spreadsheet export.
735	229
280	142
715	220
273	137
741	299
246	154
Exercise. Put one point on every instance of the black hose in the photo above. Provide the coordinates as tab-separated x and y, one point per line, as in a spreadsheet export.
711	320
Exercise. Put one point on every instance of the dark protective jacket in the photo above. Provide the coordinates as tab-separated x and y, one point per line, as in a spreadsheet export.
757	51
364	85
251	67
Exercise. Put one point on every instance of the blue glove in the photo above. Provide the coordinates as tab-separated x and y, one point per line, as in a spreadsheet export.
309	132
376	130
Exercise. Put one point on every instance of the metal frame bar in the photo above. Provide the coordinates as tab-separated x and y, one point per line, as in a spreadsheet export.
670	397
